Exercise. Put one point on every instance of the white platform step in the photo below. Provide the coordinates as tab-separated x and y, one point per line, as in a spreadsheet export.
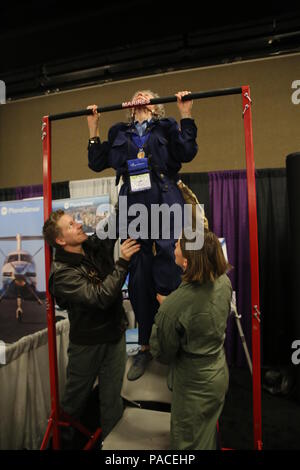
152	386
140	429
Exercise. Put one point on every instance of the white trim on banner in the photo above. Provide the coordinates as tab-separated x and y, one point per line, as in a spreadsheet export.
25	390
95	187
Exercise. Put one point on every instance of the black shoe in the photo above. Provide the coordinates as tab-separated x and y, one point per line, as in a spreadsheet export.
139	365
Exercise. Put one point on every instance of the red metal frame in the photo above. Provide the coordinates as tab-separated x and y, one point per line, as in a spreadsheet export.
54	420
253	241
56	416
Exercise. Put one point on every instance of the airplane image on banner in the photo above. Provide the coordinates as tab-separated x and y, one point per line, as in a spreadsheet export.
19	273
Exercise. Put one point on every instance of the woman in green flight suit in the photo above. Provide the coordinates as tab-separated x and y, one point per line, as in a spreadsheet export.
189	333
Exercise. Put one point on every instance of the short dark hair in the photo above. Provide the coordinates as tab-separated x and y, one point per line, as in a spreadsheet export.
51	229
205	264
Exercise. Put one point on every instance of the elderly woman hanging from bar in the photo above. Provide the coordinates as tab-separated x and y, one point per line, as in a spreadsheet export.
147	152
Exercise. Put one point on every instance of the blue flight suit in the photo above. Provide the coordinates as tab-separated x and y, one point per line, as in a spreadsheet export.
166	146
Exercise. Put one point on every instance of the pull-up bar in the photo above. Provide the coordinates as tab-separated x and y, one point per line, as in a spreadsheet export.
162	100
55	417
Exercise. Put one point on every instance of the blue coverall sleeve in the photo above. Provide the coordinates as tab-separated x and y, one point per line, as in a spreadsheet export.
182	141
98	153
98	156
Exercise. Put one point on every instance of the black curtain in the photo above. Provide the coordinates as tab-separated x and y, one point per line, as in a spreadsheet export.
293	187
274	272
60	190
7	194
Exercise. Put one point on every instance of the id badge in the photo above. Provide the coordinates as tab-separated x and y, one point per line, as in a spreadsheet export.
139	174
140	182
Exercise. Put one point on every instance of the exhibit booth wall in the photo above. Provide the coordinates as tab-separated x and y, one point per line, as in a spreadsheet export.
219	120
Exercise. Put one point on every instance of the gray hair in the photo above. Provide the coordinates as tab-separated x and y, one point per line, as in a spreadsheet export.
159	110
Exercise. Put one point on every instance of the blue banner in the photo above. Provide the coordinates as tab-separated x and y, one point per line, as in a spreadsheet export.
22	259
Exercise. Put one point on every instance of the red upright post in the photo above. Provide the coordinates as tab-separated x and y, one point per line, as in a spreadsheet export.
54	418
55	421
255	310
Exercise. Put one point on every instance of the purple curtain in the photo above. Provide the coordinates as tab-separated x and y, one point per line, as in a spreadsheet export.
229	219
60	190
24	192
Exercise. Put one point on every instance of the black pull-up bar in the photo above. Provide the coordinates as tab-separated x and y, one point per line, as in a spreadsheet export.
162	100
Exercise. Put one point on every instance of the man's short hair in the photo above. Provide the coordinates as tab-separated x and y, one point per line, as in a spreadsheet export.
51	229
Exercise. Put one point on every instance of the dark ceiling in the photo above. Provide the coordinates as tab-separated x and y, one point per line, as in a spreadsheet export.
51	45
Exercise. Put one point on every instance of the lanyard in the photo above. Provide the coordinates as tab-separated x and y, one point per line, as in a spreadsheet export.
140	141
